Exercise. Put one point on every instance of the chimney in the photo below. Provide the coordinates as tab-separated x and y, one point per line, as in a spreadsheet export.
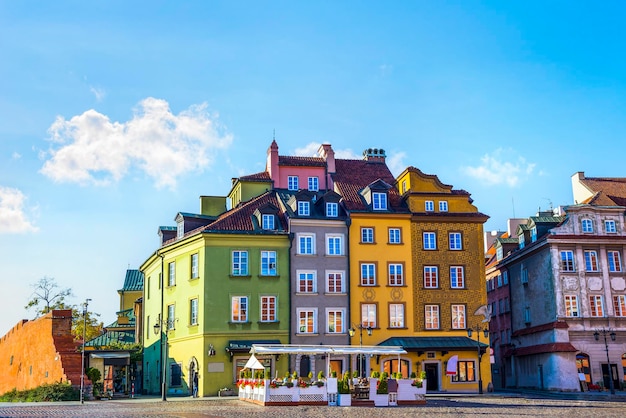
272	160
374	155
326	152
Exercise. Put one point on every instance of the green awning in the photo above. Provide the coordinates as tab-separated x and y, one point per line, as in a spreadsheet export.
434	343
244	346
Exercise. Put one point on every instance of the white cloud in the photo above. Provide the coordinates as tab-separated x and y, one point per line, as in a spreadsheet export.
310	150
395	162
90	149
12	213
501	167
16	156
99	92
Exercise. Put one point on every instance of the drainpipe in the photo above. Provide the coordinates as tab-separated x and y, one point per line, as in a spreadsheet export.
348	223
164	329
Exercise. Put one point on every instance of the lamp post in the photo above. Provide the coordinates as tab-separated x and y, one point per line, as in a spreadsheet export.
82	356
163	336
485	331
612	334
352	331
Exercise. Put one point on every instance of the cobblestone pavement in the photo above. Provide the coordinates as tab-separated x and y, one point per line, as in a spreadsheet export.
449	407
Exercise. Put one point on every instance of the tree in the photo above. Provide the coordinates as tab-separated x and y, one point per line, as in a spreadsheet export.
47	295
94	326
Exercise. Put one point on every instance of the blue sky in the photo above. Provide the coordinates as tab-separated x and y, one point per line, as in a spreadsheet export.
116	115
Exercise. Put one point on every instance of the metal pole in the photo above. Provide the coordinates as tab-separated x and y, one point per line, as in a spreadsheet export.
608	363
164	350
82	356
480	379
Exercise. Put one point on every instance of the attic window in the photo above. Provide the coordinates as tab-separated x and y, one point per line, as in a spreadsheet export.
332	209
303	208
587	225
379	201
520	240
180	229
268	221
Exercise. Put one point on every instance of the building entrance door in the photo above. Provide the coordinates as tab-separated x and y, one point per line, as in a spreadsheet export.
432	376
605	375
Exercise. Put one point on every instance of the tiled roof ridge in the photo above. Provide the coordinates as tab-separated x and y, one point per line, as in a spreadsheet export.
300	160
267	197
262	176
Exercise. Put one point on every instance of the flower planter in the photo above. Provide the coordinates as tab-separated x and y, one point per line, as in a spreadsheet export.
345	399
312	394
408	392
223	393
282	394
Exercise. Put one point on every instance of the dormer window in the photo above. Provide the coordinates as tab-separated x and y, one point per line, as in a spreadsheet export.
268	221
379	201
499	253
313	184
587	225
520	240
533	234
292	183
180	229
332	209
304	208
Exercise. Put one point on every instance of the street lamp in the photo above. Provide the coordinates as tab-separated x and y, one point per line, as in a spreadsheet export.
82	356
163	336
612	334
352	331
485	331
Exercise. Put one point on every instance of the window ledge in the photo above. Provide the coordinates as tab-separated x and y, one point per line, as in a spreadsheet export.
242	276
238	323
267	322
307	293
269	276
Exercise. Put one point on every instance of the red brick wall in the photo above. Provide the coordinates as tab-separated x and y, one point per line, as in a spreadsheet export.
40	351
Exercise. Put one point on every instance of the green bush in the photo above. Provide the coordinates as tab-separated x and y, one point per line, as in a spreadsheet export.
45	393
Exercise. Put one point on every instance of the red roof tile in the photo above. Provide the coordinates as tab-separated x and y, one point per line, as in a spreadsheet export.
240	218
294	161
609	191
262	176
352	176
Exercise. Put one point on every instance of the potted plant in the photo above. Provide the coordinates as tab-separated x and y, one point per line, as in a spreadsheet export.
343	388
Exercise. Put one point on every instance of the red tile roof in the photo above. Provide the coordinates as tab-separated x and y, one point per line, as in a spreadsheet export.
294	161
352	176
240	218
262	176
609	191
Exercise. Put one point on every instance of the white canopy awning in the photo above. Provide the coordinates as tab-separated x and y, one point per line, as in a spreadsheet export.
326	349
109	355
254	364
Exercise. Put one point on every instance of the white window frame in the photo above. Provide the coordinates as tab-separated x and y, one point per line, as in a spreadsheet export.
171	316
336	324
304	208
379	201
571	306
369	315
303	317
332	209
334	279
306	244
567	261
180	229
591	261
457	277
610	227
615	261
268	308
367	235
268	221
368	274
171	273
619	305
395	236
269	264
395	273
396	315
431	270
586	226
443	206
241	316
431	317
292	183
193	311
239	263
195	272
459	316
334	244
455	240
429	206
307	281
313	184
596	306
429	240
